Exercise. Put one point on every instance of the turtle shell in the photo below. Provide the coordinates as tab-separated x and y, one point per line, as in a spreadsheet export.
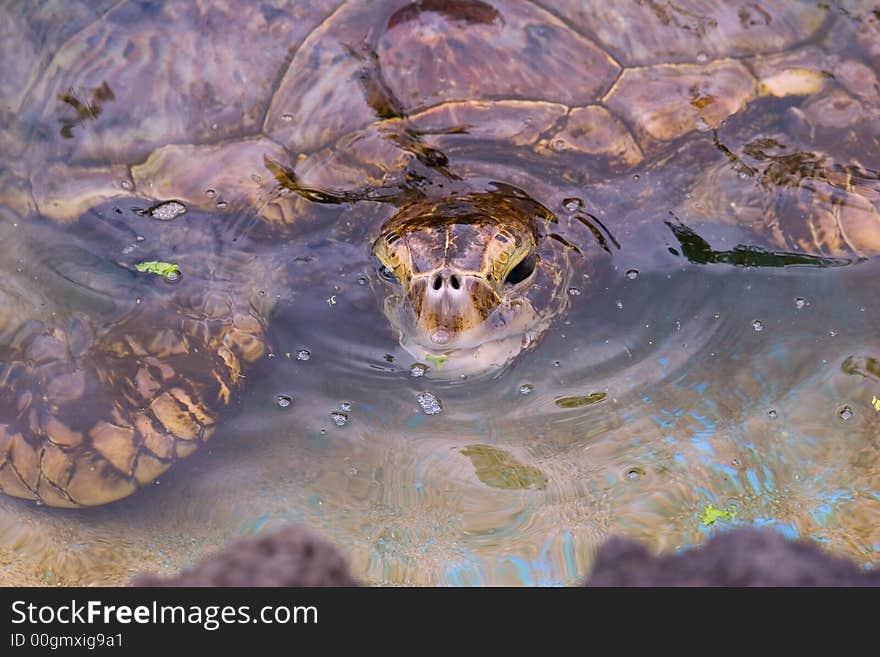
236	110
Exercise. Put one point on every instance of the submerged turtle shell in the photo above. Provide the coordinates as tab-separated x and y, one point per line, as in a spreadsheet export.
232	105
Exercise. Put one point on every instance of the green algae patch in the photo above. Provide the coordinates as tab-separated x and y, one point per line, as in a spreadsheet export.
498	469
436	360
156	267
710	514
581	400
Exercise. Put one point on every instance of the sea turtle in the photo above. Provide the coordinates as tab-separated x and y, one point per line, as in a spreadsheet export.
212	132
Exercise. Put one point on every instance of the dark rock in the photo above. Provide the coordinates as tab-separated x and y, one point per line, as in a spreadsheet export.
741	557
293	556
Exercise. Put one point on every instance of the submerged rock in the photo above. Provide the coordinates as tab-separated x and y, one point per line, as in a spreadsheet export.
742	557
293	556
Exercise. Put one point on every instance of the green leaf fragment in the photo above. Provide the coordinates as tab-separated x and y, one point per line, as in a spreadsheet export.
156	267
436	360
710	514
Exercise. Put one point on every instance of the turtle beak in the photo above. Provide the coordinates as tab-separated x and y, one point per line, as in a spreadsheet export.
447	304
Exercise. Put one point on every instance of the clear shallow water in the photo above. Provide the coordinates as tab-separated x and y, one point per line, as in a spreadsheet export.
777	425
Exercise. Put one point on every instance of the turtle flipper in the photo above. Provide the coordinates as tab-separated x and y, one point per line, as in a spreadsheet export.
90	414
109	376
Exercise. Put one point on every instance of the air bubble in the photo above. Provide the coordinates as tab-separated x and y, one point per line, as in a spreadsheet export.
634	474
210	193
846	414
702	57
256	177
636	176
735	463
172	276
832	333
303	354
430	403
772	414
222	204
140	238
758	325
701	124
632	274
362	280
340	418
287	117
574	291
558	145
345	406
167	211
418	369
283	401
573	204
127	185
619	304
526	389
799	302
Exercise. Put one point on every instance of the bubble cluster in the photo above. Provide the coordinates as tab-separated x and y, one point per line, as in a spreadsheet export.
430	403
340	418
572	204
303	354
167	210
758	325
799	302
418	369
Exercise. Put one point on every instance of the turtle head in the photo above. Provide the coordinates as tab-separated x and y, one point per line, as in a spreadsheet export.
471	286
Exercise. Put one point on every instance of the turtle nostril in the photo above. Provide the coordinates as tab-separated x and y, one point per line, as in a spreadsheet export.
454	282
438	282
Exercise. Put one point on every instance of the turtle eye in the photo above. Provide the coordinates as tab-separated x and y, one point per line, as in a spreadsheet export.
385	272
523	270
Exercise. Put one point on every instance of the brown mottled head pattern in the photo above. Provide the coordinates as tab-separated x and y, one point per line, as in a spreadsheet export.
462	270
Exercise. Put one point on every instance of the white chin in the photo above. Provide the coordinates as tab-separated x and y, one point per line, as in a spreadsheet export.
487	358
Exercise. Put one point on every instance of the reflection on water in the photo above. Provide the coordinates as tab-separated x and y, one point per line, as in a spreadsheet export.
699	363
